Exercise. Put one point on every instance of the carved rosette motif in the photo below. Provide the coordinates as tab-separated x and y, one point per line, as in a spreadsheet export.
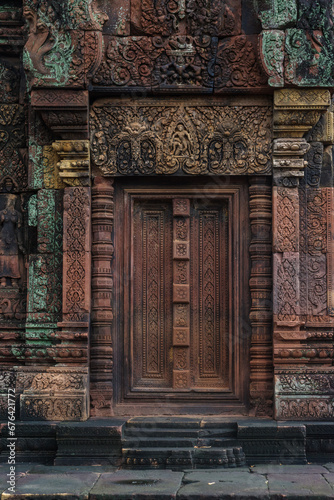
181	292
170	137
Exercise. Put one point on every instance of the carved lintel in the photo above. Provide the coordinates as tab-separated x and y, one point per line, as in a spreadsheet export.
296	111
64	111
74	162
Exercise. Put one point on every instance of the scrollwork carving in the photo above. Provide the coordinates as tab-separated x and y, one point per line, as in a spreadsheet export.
169	137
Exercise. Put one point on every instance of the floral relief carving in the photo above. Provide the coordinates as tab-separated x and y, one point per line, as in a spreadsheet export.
172	137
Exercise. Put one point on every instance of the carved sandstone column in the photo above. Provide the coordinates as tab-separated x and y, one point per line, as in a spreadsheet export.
261	369
101	348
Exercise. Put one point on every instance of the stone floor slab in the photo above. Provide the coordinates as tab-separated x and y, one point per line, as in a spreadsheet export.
226	485
299	487
71	469
329	467
53	487
289	469
329	477
138	485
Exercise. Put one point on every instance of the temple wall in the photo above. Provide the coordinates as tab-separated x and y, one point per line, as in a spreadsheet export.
58	61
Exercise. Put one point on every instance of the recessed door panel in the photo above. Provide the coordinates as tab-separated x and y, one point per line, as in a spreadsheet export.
178	292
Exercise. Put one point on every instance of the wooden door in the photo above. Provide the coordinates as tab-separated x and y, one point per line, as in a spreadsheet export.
176	328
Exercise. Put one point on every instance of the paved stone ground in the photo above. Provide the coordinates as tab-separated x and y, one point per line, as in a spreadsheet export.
260	482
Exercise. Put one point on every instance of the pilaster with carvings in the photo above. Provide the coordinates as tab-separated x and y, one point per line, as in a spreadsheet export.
261	368
101	346
302	213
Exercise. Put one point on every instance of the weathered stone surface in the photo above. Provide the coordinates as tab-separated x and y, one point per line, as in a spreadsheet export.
291	469
224	485
309	58
134	484
271	45
290	486
277	13
55	486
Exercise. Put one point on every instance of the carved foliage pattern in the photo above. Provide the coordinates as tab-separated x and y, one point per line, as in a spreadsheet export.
202	17
12	140
237	64
308	409
287	223
76	255
286	292
153	295
167	138
306	383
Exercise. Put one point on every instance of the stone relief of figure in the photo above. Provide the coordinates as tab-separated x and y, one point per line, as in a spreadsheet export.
181	142
10	241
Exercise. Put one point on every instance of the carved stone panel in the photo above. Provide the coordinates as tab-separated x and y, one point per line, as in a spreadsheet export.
166	137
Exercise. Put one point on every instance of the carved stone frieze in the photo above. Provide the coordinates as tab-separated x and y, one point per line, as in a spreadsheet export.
179	63
309	408
147	137
304	393
237	65
194	17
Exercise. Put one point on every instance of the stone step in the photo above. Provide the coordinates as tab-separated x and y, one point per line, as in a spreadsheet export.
163	442
180	458
160	432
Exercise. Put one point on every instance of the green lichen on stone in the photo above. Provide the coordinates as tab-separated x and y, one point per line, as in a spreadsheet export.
46	221
309	58
276	14
54	62
315	14
272	51
36	165
32	211
67	14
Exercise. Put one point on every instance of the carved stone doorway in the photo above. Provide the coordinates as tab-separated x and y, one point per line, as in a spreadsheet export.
182	332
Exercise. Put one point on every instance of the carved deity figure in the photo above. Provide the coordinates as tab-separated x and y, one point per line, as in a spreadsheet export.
10	242
181	142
